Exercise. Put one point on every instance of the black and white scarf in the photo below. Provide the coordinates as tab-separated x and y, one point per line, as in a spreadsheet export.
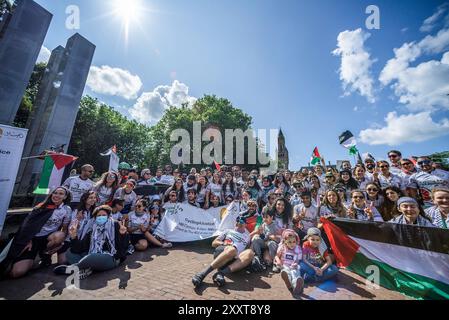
101	235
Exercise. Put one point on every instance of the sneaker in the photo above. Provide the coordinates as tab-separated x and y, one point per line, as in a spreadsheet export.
299	287
198	279
219	279
286	278
84	273
276	269
62	270
167	245
131	250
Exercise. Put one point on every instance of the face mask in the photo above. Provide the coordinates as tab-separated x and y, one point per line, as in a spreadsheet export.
101	220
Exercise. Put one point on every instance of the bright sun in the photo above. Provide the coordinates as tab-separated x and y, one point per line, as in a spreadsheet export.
129	10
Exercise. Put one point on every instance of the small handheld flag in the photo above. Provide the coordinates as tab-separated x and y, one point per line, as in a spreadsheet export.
316	157
348	141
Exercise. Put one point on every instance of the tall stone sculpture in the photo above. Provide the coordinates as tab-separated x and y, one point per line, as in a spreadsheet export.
22	32
57	104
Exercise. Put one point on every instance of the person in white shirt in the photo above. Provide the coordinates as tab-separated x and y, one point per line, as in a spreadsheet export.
439	213
395	159
78	185
231	254
408	169
360	210
106	187
385	178
422	183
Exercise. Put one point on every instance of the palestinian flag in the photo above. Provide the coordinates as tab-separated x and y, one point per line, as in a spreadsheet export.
411	260
316	157
217	166
348	141
52	172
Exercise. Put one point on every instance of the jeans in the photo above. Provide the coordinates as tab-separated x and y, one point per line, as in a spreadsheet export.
94	261
293	274
258	245
310	275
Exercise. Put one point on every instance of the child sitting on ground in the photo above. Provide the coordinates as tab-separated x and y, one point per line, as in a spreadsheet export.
317	264
266	237
288	258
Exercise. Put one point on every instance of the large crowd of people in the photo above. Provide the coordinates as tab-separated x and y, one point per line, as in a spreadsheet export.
96	225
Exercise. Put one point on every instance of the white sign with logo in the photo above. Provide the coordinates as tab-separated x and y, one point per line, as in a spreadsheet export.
184	222
12	142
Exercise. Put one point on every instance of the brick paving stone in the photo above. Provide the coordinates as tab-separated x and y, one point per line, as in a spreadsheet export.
159	274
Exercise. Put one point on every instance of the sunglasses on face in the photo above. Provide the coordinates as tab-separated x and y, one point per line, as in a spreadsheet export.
425	162
374	190
139	206
406	164
393	156
357	197
173	196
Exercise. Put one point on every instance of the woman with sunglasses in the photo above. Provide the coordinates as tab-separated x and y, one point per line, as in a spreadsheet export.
344	196
385	178
280	183
389	209
267	188
139	225
146	178
127	193
43	232
360	210
407	170
373	194
106	187
422	183
177	187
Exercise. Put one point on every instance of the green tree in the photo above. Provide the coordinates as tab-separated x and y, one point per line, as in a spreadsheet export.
213	112
26	106
98	127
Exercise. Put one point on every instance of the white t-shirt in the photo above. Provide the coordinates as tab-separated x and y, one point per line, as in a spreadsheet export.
239	240
78	187
311	219
392	181
425	182
104	193
215	188
135	221
61	216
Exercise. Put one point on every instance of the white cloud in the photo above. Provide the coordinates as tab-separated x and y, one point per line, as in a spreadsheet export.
44	55
355	63
425	86
405	128
114	81
150	106
429	24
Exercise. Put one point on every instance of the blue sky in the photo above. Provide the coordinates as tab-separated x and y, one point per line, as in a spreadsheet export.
274	60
